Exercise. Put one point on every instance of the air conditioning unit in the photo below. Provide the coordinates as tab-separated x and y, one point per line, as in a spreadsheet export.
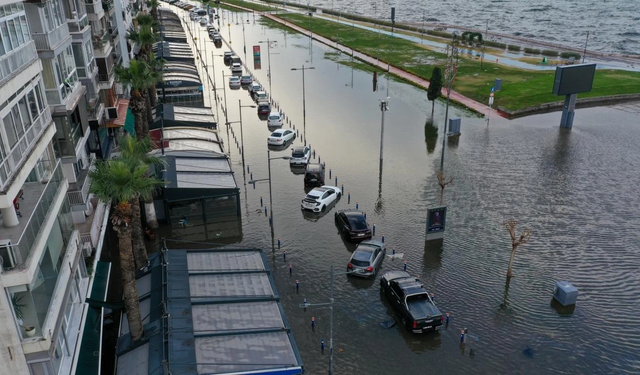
87	249
8	261
112	113
94	124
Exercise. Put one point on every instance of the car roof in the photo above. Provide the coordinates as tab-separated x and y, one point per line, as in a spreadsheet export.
279	131
321	189
246	76
352	212
314	167
261	92
233	78
263	104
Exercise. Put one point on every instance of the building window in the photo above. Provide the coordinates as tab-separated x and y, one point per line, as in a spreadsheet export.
78	56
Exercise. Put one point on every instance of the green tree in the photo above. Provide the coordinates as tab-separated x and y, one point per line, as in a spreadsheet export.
115	181
139	77
153	5
435	87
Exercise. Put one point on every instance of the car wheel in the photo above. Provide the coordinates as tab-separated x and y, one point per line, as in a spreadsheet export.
339	195
323	208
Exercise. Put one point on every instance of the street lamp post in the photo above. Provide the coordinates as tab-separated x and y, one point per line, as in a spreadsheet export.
450	75
268	41
304	106
240	106
269	158
224	89
384	106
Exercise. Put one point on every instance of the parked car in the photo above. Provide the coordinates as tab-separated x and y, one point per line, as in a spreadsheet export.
217	39
367	259
319	198
264	109
353	225
203	21
260	96
236	68
188	6
281	136
275	119
234	82
246	80
300	155
411	302
227	57
314	175
253	88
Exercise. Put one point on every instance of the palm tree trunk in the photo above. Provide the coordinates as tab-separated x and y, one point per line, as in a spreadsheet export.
148	115
139	113
137	236
513	255
153	97
130	290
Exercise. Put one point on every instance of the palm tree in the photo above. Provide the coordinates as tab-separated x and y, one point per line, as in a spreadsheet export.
145	37
139	77
153	4
137	153
115	181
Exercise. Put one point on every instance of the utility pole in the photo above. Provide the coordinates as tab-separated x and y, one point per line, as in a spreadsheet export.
304	105
584	54
450	75
384	106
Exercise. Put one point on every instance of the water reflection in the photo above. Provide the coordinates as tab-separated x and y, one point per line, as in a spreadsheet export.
432	256
297	169
430	135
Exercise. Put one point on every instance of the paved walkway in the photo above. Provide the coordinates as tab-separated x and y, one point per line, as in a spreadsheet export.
418	81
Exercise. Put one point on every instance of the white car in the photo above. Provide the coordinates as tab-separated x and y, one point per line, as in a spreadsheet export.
234	82
280	137
319	198
203	21
260	96
275	119
300	155
236	68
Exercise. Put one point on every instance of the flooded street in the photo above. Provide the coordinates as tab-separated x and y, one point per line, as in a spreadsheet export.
577	190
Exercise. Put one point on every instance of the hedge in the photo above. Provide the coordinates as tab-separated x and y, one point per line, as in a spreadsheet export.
533	51
567	55
514	47
550	52
492	43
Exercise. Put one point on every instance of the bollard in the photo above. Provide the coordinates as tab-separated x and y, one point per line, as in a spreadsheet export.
446	319
284	255
393	250
329	173
342	189
254	185
322	345
251	176
278	242
433	297
404	266
291	272
324	165
305	304
313	323
314	154
248	170
365	215
319	160
348	198
462	338
336	181
265	210
297	286
374	229
382	237
357	205
270	222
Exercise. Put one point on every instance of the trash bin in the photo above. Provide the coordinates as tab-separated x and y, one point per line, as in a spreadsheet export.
565	293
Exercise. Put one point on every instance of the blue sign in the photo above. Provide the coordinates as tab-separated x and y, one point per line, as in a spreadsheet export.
436	218
493	89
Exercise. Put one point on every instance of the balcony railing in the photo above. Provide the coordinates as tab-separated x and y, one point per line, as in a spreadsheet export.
76	26
107	5
20	152
19	250
49	41
101	44
95	7
79	191
12	62
106	78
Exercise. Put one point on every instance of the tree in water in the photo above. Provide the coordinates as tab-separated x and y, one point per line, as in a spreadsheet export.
435	87
443	181
516	240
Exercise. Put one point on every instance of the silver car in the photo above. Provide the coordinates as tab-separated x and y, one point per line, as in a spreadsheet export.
367	259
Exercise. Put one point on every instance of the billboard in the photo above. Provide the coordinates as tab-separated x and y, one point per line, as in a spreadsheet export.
573	79
256	50
436	219
257	63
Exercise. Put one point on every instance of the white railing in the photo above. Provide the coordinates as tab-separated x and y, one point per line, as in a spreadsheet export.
12	163
94	7
16	59
50	40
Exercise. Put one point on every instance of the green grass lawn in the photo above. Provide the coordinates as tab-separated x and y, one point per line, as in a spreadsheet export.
246	4
520	88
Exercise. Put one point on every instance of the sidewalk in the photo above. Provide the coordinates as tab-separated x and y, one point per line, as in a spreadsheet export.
418	81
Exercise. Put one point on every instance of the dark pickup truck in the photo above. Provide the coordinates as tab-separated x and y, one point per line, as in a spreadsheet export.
416	310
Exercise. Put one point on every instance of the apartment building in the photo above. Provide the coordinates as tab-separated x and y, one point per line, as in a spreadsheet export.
54	112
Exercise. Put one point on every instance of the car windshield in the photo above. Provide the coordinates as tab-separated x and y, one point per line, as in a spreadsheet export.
361	257
274	117
312	196
233	79
357	222
276	134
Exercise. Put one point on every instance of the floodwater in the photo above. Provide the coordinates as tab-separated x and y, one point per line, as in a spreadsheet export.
613	24
577	190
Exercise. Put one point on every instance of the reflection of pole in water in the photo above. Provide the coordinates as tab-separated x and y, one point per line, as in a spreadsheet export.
379	203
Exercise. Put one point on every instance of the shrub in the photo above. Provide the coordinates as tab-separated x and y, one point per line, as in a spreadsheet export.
514	47
567	55
533	51
492	43
549	52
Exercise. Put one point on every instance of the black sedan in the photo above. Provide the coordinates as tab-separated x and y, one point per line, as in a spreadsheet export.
353	225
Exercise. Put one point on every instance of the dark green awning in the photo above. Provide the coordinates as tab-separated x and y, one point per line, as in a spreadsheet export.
129	123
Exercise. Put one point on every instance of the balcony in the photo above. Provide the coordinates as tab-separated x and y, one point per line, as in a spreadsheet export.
107	6
106	81
79	191
114	32
50	41
90	231
37	198
95	9
21	151
12	62
102	44
78	25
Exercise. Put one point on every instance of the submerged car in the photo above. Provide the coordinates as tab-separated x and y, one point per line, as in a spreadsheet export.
416	309
367	259
264	108
300	155
314	175
246	80
234	82
281	136
236	68
274	119
353	225
319	198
